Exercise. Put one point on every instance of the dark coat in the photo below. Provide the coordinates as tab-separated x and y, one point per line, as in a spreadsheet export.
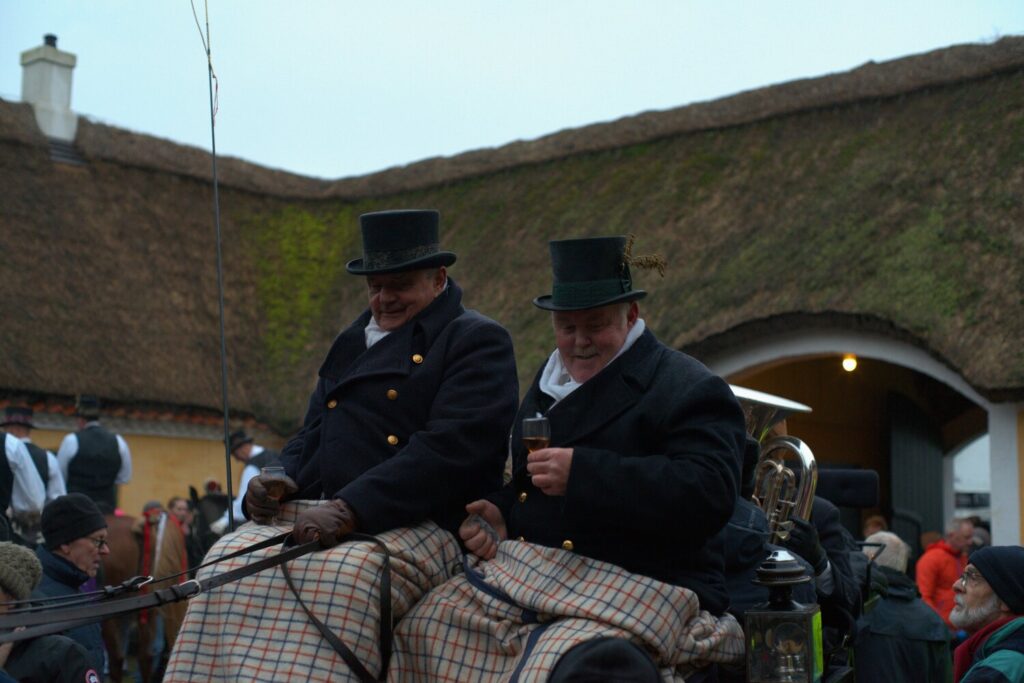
1000	659
51	659
61	578
657	445
443	388
902	638
745	539
838	545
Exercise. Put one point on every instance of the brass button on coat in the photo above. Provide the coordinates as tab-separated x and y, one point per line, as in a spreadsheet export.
417	358
392	394
332	404
393	440
522	496
567	545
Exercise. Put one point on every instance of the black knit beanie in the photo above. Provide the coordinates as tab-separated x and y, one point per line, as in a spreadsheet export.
1003	568
69	518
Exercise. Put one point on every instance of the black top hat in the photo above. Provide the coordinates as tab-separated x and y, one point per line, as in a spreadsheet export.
239	438
18	415
394	241
589	272
87	406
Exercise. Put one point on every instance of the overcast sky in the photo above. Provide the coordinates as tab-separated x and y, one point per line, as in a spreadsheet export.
343	88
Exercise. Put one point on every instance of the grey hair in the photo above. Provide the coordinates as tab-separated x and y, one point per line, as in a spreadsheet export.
894	555
954	524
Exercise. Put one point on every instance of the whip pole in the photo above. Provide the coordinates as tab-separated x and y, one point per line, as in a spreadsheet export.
220	266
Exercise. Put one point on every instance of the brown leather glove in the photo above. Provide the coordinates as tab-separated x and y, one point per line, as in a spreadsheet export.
258	503
327	523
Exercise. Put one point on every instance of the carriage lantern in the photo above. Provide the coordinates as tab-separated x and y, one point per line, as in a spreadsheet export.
783	636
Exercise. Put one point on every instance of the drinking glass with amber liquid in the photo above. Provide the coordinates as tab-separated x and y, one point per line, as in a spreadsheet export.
536	433
275	481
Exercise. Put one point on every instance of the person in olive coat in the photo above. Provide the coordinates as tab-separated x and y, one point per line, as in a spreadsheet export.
902	638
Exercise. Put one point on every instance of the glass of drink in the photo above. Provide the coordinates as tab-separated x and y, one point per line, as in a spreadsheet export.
536	433
274	481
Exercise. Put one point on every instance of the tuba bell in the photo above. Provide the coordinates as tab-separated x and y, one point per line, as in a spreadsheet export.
776	488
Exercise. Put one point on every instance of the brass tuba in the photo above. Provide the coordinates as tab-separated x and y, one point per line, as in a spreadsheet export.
776	490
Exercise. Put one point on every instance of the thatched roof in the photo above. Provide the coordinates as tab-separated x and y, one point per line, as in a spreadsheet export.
886	198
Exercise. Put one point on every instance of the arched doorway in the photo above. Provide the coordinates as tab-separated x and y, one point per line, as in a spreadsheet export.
901	412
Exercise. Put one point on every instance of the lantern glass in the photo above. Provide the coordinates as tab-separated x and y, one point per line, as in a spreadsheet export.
784	645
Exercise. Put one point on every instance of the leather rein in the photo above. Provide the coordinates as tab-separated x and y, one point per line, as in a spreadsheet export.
78	610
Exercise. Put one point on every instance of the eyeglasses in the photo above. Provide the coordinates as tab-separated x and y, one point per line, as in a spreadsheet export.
98	542
970	576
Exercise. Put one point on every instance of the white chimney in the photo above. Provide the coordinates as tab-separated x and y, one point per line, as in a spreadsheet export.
46	84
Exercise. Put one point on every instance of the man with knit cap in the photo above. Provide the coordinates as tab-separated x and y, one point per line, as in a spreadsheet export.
74	543
46	658
989	601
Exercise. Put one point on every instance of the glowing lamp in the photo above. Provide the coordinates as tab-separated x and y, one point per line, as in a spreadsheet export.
849	362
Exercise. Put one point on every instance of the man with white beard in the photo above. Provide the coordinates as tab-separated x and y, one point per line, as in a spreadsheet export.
989	604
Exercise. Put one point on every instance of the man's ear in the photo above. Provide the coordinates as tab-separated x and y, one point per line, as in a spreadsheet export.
440	276
1003	607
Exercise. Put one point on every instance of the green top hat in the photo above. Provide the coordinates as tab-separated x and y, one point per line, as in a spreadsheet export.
395	241
591	272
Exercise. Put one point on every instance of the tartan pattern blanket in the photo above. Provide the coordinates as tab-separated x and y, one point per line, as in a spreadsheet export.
255	630
513	617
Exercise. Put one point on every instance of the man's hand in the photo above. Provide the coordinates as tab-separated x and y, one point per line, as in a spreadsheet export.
483	529
803	540
262	508
327	523
549	469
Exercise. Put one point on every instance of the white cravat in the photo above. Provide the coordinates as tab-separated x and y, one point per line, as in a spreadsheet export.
374	333
556	381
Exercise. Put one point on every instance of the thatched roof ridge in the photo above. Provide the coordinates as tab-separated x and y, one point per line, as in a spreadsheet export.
897	215
869	81
872	80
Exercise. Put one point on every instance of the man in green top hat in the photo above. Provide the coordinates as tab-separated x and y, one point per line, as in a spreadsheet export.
609	531
407	424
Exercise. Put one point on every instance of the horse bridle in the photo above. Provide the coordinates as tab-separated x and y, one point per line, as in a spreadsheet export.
78	610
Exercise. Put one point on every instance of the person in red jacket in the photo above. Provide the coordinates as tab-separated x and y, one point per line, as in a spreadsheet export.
942	564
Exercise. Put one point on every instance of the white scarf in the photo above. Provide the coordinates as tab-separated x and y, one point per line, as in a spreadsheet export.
556	381
373	332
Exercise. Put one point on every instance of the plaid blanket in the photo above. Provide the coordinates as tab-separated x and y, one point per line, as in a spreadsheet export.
513	617
254	630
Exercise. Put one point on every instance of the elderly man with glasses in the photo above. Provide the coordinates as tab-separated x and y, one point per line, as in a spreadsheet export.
74	544
989	604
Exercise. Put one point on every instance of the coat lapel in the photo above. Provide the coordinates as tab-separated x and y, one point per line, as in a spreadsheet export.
349	360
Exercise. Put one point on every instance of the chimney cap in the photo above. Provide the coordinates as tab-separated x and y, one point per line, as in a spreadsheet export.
50	39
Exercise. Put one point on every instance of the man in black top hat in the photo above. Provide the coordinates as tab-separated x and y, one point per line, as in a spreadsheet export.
620	510
408	422
254	458
94	460
18	422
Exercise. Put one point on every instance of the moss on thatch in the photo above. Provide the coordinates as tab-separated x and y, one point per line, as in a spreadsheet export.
897	211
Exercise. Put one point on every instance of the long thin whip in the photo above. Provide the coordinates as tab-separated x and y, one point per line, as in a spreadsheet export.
220	262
